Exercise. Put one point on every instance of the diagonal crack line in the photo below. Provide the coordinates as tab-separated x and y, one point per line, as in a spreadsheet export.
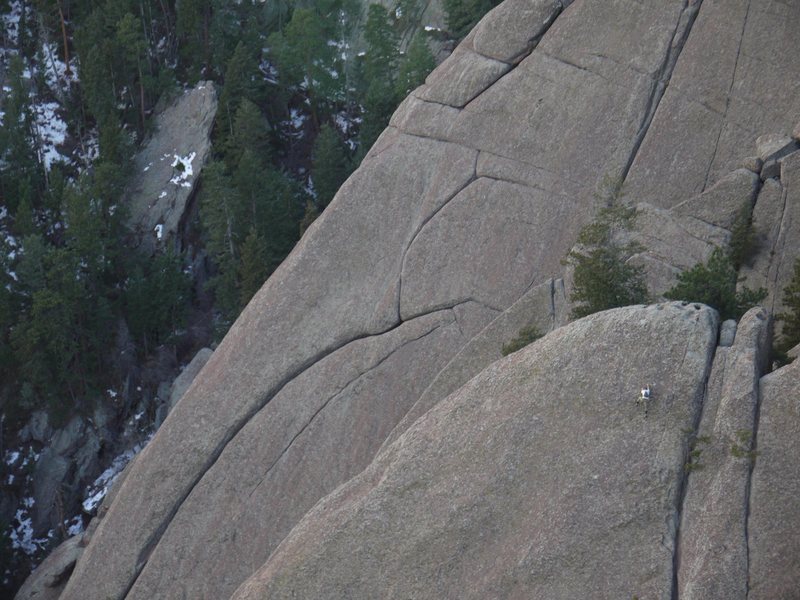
728	97
155	537
214	456
663	77
338	393
517	60
780	240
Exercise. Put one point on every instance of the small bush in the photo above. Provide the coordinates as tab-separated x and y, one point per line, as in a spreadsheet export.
714	284
527	335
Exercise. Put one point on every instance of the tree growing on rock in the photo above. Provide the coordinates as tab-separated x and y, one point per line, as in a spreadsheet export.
602	277
714	283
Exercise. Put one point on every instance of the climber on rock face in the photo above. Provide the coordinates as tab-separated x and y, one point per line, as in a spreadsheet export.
644	398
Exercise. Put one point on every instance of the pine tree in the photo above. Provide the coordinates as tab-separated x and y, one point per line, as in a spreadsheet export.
305	59
253	268
250	132
415	66
380	61
330	166
193	27
714	283
237	86
463	15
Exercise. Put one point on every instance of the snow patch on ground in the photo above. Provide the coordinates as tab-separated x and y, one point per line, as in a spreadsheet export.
51	131
10	21
55	69
98	490
183	166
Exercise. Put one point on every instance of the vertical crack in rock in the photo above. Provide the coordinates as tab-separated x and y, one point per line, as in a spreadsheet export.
682	481
662	78
422	225
727	98
749	485
777	250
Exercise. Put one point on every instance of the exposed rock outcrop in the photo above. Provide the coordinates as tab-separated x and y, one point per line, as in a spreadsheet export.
167	167
541	478
385	317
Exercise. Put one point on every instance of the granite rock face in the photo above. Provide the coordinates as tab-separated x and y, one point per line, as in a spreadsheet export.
540	478
167	168
384	324
774	547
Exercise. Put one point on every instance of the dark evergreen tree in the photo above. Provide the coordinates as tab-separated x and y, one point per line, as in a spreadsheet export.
415	66
238	86
463	15
714	283
330	166
253	268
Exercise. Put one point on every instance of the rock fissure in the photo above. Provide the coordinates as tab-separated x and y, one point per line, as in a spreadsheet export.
517	60
422	225
728	97
749	485
337	394
685	474
159	532
662	77
780	239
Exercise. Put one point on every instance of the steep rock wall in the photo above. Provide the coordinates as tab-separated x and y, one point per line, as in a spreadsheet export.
465	205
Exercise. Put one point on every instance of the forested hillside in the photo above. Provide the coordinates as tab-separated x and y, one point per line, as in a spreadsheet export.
86	316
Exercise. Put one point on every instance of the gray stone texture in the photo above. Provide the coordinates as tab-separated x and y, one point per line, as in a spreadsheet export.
713	539
158	192
465	204
48	580
727	333
461	78
512	29
321	429
186	377
729	86
774	146
540	478
774	540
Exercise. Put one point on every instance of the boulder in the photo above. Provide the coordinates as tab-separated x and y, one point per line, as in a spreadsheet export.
773	146
727	333
752	163
166	169
721	203
540	478
48	580
774	545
